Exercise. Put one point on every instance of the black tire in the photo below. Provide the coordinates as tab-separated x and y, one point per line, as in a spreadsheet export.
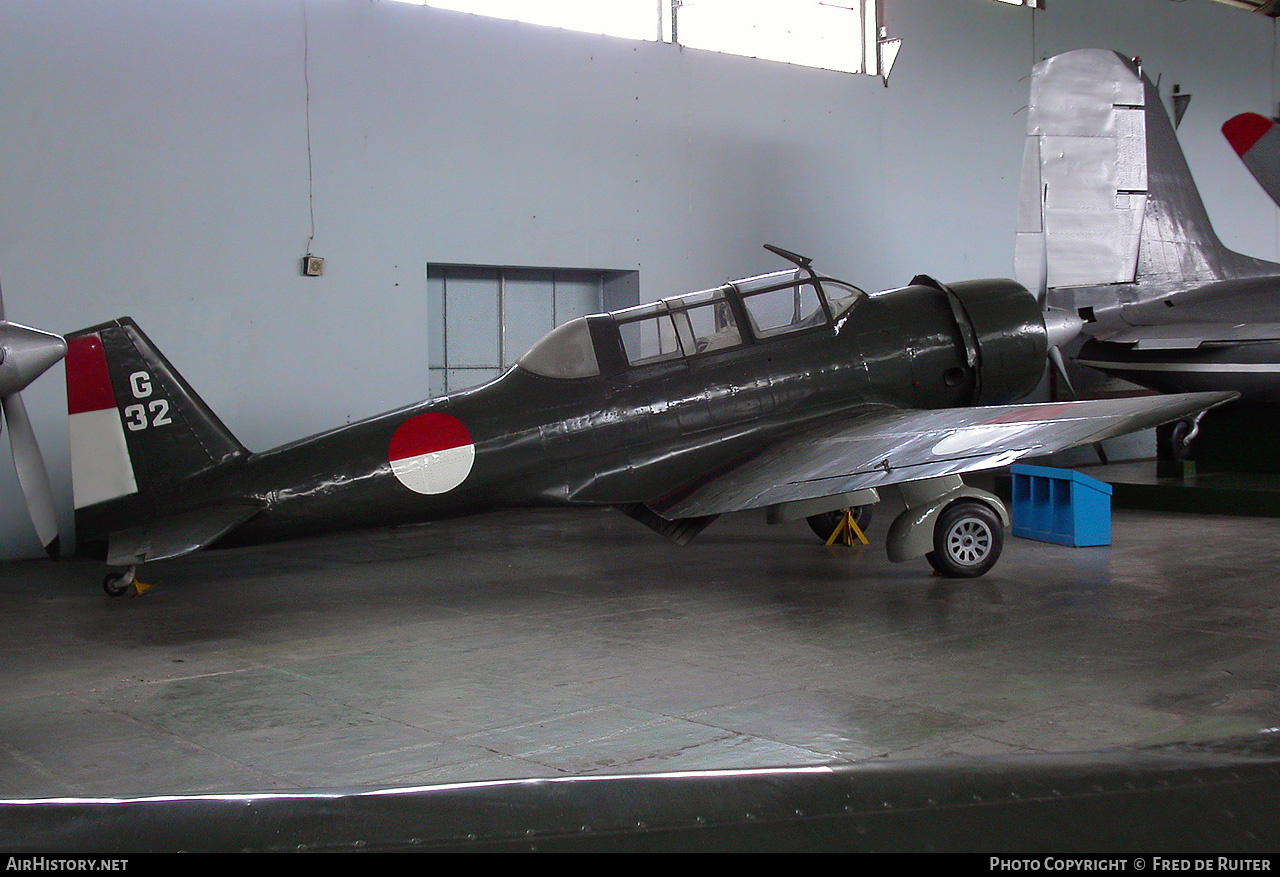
1173	442
967	540
115	585
825	524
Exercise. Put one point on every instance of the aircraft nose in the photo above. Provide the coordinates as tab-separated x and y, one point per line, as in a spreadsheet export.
25	354
1061	326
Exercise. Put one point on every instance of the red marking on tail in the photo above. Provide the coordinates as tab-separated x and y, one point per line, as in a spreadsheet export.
1244	130
88	380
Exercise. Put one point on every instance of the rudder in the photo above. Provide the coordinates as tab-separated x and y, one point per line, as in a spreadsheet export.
1106	194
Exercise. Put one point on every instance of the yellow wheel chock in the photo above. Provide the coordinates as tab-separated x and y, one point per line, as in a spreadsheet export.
847	530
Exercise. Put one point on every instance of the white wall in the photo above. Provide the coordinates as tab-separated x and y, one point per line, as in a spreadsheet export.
153	163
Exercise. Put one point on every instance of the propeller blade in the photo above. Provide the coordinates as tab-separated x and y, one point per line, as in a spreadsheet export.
1055	357
1042	293
32	474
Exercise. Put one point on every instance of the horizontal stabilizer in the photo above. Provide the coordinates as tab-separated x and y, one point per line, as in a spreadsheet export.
176	535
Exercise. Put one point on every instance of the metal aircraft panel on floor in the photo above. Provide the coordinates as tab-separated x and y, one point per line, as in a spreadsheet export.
790	391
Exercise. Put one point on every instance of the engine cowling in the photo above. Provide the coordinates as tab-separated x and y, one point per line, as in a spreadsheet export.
1007	325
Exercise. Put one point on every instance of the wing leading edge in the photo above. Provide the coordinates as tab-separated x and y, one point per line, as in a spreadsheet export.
880	446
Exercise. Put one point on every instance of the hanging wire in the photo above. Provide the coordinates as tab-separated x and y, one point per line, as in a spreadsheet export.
306	79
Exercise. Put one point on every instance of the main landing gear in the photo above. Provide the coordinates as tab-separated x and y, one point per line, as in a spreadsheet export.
967	540
957	528
1173	440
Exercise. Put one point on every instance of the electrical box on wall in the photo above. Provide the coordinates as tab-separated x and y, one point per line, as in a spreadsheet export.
312	266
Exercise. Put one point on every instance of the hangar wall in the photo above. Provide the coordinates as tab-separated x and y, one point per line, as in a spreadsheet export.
154	162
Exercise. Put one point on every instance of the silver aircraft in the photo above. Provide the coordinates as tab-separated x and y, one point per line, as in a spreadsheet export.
1111	223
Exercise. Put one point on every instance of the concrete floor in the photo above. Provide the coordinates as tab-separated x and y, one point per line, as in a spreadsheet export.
560	643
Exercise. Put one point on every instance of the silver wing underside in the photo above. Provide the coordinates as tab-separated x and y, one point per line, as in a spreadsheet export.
880	446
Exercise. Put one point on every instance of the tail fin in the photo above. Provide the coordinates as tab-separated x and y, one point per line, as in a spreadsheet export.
1107	196
1256	139
139	433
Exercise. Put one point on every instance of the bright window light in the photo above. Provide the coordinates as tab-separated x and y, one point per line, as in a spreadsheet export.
845	35
633	19
808	32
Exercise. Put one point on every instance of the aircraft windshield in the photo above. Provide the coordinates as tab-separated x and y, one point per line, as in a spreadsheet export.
841	296
790	301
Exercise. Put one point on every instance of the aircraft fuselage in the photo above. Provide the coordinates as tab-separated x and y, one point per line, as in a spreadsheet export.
630	433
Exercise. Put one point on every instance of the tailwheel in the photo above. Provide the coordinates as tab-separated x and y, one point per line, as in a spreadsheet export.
117	584
967	540
827	526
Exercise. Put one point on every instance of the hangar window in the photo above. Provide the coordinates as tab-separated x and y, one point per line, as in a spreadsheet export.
482	318
844	35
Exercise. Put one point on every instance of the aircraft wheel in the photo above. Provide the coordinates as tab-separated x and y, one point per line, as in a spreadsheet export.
825	524
1175	439
967	540
115	584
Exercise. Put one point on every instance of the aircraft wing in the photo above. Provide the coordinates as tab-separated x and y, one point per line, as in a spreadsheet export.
880	445
1186	336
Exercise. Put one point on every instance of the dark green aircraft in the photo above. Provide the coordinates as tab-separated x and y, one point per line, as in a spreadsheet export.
792	392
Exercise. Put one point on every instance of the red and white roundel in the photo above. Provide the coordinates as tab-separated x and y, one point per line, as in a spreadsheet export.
432	453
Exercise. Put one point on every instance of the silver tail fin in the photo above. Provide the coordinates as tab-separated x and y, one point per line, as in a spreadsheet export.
1107	197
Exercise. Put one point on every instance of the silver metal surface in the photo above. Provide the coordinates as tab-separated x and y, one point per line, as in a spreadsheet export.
1084	172
884	446
1061	327
1101	151
28	353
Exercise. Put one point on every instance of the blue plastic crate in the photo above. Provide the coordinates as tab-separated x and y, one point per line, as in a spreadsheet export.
1060	506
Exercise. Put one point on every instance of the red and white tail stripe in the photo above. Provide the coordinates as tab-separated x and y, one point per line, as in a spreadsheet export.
100	465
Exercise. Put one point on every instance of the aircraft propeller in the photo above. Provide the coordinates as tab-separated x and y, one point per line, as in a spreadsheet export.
25	354
1061	326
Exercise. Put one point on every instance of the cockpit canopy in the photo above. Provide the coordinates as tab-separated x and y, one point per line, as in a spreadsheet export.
733	315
